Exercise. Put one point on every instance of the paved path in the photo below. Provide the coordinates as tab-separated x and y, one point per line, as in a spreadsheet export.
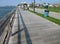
52	14
29	28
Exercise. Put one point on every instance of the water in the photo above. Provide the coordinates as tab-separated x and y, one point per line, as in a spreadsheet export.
5	10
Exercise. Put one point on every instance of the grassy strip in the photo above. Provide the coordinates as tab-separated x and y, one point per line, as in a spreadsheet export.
57	21
54	9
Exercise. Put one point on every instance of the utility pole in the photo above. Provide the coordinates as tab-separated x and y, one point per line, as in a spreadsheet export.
34	6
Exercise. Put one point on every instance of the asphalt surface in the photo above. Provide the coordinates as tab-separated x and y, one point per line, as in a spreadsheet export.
52	14
28	28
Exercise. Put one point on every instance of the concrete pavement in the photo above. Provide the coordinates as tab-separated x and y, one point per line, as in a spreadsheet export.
52	14
29	28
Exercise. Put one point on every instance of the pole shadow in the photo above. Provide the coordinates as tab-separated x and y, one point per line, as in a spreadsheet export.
19	34
28	39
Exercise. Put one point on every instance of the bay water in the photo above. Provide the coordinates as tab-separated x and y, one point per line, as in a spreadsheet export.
5	10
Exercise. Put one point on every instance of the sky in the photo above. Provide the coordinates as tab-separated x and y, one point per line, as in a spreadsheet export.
15	2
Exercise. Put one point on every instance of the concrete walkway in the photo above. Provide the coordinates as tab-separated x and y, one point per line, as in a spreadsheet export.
52	14
29	28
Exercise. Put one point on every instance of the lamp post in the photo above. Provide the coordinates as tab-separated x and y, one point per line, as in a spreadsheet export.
34	6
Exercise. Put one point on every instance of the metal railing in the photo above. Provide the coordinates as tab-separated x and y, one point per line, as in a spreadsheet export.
5	26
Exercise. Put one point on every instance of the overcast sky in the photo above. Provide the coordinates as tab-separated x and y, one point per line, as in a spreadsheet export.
15	2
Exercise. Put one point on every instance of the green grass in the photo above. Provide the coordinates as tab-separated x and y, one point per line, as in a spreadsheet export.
54	9
57	21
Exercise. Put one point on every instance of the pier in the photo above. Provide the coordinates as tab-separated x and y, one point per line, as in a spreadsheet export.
24	27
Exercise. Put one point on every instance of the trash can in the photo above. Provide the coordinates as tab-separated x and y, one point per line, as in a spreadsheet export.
46	13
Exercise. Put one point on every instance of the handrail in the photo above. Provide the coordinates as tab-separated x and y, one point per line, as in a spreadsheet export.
5	25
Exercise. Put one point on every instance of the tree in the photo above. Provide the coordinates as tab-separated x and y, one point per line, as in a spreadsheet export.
32	4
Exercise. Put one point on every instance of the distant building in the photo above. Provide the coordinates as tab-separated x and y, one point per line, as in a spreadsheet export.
22	4
51	5
56	5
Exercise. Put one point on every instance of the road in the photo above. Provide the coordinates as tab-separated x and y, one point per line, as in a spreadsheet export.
52	14
28	28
